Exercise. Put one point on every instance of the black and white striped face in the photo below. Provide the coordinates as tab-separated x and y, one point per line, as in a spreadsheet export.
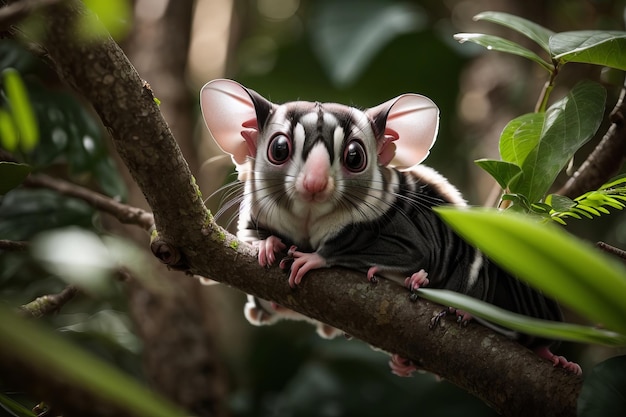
316	164
317	151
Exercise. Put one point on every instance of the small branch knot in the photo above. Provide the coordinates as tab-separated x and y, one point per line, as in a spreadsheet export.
168	254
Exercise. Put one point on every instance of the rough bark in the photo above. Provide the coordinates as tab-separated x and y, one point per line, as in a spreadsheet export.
505	375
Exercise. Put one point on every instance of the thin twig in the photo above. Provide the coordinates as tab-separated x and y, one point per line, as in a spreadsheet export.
122	212
620	253
49	304
13	245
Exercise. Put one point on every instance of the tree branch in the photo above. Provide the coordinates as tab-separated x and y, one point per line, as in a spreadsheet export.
158	49
48	304
606	159
510	378
124	213
619	253
12	245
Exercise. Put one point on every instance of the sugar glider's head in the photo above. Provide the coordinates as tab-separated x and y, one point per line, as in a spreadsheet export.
314	148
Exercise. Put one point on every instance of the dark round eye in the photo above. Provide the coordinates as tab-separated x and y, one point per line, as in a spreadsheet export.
279	149
354	157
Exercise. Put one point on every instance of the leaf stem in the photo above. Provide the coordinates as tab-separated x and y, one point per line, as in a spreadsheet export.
542	103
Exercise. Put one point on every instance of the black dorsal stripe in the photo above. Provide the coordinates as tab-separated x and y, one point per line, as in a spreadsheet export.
320	132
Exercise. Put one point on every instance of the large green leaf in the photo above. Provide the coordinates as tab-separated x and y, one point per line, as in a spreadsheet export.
347	35
523	324
568	124
606	48
503	172
548	258
531	30
27	342
496	43
604	390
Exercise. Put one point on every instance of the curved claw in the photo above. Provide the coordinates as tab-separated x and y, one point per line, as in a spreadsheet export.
303	263
462	316
558	361
371	274
268	248
417	280
436	320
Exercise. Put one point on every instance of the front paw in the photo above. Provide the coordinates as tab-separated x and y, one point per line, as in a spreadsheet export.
301	263
268	248
417	280
401	366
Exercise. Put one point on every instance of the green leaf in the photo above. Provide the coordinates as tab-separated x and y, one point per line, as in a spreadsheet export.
531	30
612	202
585	213
503	172
559	202
574	273
9	136
347	35
14	408
22	112
603	393
14	55
78	257
569	124
26	212
523	324
618	181
11	175
496	43
520	136
109	179
109	17
540	208
27	342
606	48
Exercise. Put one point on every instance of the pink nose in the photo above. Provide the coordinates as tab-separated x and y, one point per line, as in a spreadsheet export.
315	183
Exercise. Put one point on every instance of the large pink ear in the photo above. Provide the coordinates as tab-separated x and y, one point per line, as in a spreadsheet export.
410	124
230	115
